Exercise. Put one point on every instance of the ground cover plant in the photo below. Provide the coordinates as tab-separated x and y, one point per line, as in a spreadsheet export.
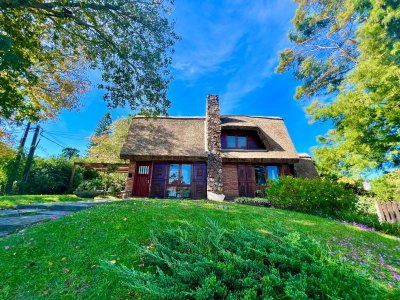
66	258
215	263
13	200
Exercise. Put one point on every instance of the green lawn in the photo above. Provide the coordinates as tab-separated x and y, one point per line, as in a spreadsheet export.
13	201
63	258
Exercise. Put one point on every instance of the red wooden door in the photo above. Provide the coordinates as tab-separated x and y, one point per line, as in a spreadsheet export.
142	180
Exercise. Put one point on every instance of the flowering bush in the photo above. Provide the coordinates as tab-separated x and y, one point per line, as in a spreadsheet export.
310	195
209	262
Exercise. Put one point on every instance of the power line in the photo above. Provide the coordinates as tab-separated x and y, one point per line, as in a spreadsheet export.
52	141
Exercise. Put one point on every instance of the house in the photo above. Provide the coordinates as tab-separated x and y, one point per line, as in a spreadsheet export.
211	156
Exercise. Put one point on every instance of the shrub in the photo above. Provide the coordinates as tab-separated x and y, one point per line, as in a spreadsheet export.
310	195
253	201
90	185
213	263
51	176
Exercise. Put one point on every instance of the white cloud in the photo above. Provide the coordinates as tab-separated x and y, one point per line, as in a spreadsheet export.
235	42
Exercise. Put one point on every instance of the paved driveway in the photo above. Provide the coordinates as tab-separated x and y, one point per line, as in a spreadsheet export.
22	216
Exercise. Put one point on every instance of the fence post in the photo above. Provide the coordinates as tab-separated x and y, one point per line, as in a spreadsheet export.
379	211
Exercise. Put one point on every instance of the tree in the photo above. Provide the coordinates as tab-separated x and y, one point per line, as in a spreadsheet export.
348	52
104	124
103	128
386	187
45	45
69	153
107	147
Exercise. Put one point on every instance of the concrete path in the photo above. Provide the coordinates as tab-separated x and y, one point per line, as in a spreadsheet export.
25	215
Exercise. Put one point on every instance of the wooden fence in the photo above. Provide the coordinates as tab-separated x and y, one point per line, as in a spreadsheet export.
388	211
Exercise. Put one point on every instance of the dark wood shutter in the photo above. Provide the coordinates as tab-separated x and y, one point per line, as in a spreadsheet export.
159	180
247	181
285	170
199	183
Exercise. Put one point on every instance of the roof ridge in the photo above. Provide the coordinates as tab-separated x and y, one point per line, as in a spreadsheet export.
248	116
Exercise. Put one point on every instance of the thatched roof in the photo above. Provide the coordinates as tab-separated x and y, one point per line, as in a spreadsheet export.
183	138
165	138
305	168
272	132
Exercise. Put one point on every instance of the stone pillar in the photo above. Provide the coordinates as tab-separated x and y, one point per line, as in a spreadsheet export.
214	161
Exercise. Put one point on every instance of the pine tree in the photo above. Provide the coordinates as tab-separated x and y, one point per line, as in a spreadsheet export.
102	128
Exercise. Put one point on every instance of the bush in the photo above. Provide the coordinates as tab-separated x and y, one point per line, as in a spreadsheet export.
90	185
213	263
310	195
51	176
253	201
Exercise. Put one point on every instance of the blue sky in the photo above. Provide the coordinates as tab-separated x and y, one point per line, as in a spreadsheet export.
228	48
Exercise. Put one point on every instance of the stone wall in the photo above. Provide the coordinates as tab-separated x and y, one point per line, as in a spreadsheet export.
129	178
231	185
213	132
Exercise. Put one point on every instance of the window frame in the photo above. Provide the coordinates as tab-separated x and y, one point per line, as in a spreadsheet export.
265	167
179	185
236	136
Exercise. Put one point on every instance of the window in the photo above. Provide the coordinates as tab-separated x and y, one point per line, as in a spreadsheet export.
173	174
260	175
179	180
231	141
186	174
263	173
235	141
143	170
272	172
242	142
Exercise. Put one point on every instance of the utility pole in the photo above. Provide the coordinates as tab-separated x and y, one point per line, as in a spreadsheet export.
29	160
14	171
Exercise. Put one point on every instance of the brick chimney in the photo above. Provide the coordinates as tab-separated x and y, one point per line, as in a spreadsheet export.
214	160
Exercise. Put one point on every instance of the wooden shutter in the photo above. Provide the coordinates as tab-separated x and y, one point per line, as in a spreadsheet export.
199	185
246	180
158	183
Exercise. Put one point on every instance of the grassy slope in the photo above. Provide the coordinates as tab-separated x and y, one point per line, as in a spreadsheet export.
62	258
12	201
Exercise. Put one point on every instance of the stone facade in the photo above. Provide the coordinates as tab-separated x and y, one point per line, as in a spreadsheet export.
131	176
231	187
214	161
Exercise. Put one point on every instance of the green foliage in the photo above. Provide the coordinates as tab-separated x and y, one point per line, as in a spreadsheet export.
387	186
90	185
310	195
51	176
107	146
44	46
104	124
253	201
348	52
371	220
210	262
107	184
69	153
61	258
7	155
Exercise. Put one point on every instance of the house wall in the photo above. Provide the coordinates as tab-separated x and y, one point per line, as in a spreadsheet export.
230	175
130	178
